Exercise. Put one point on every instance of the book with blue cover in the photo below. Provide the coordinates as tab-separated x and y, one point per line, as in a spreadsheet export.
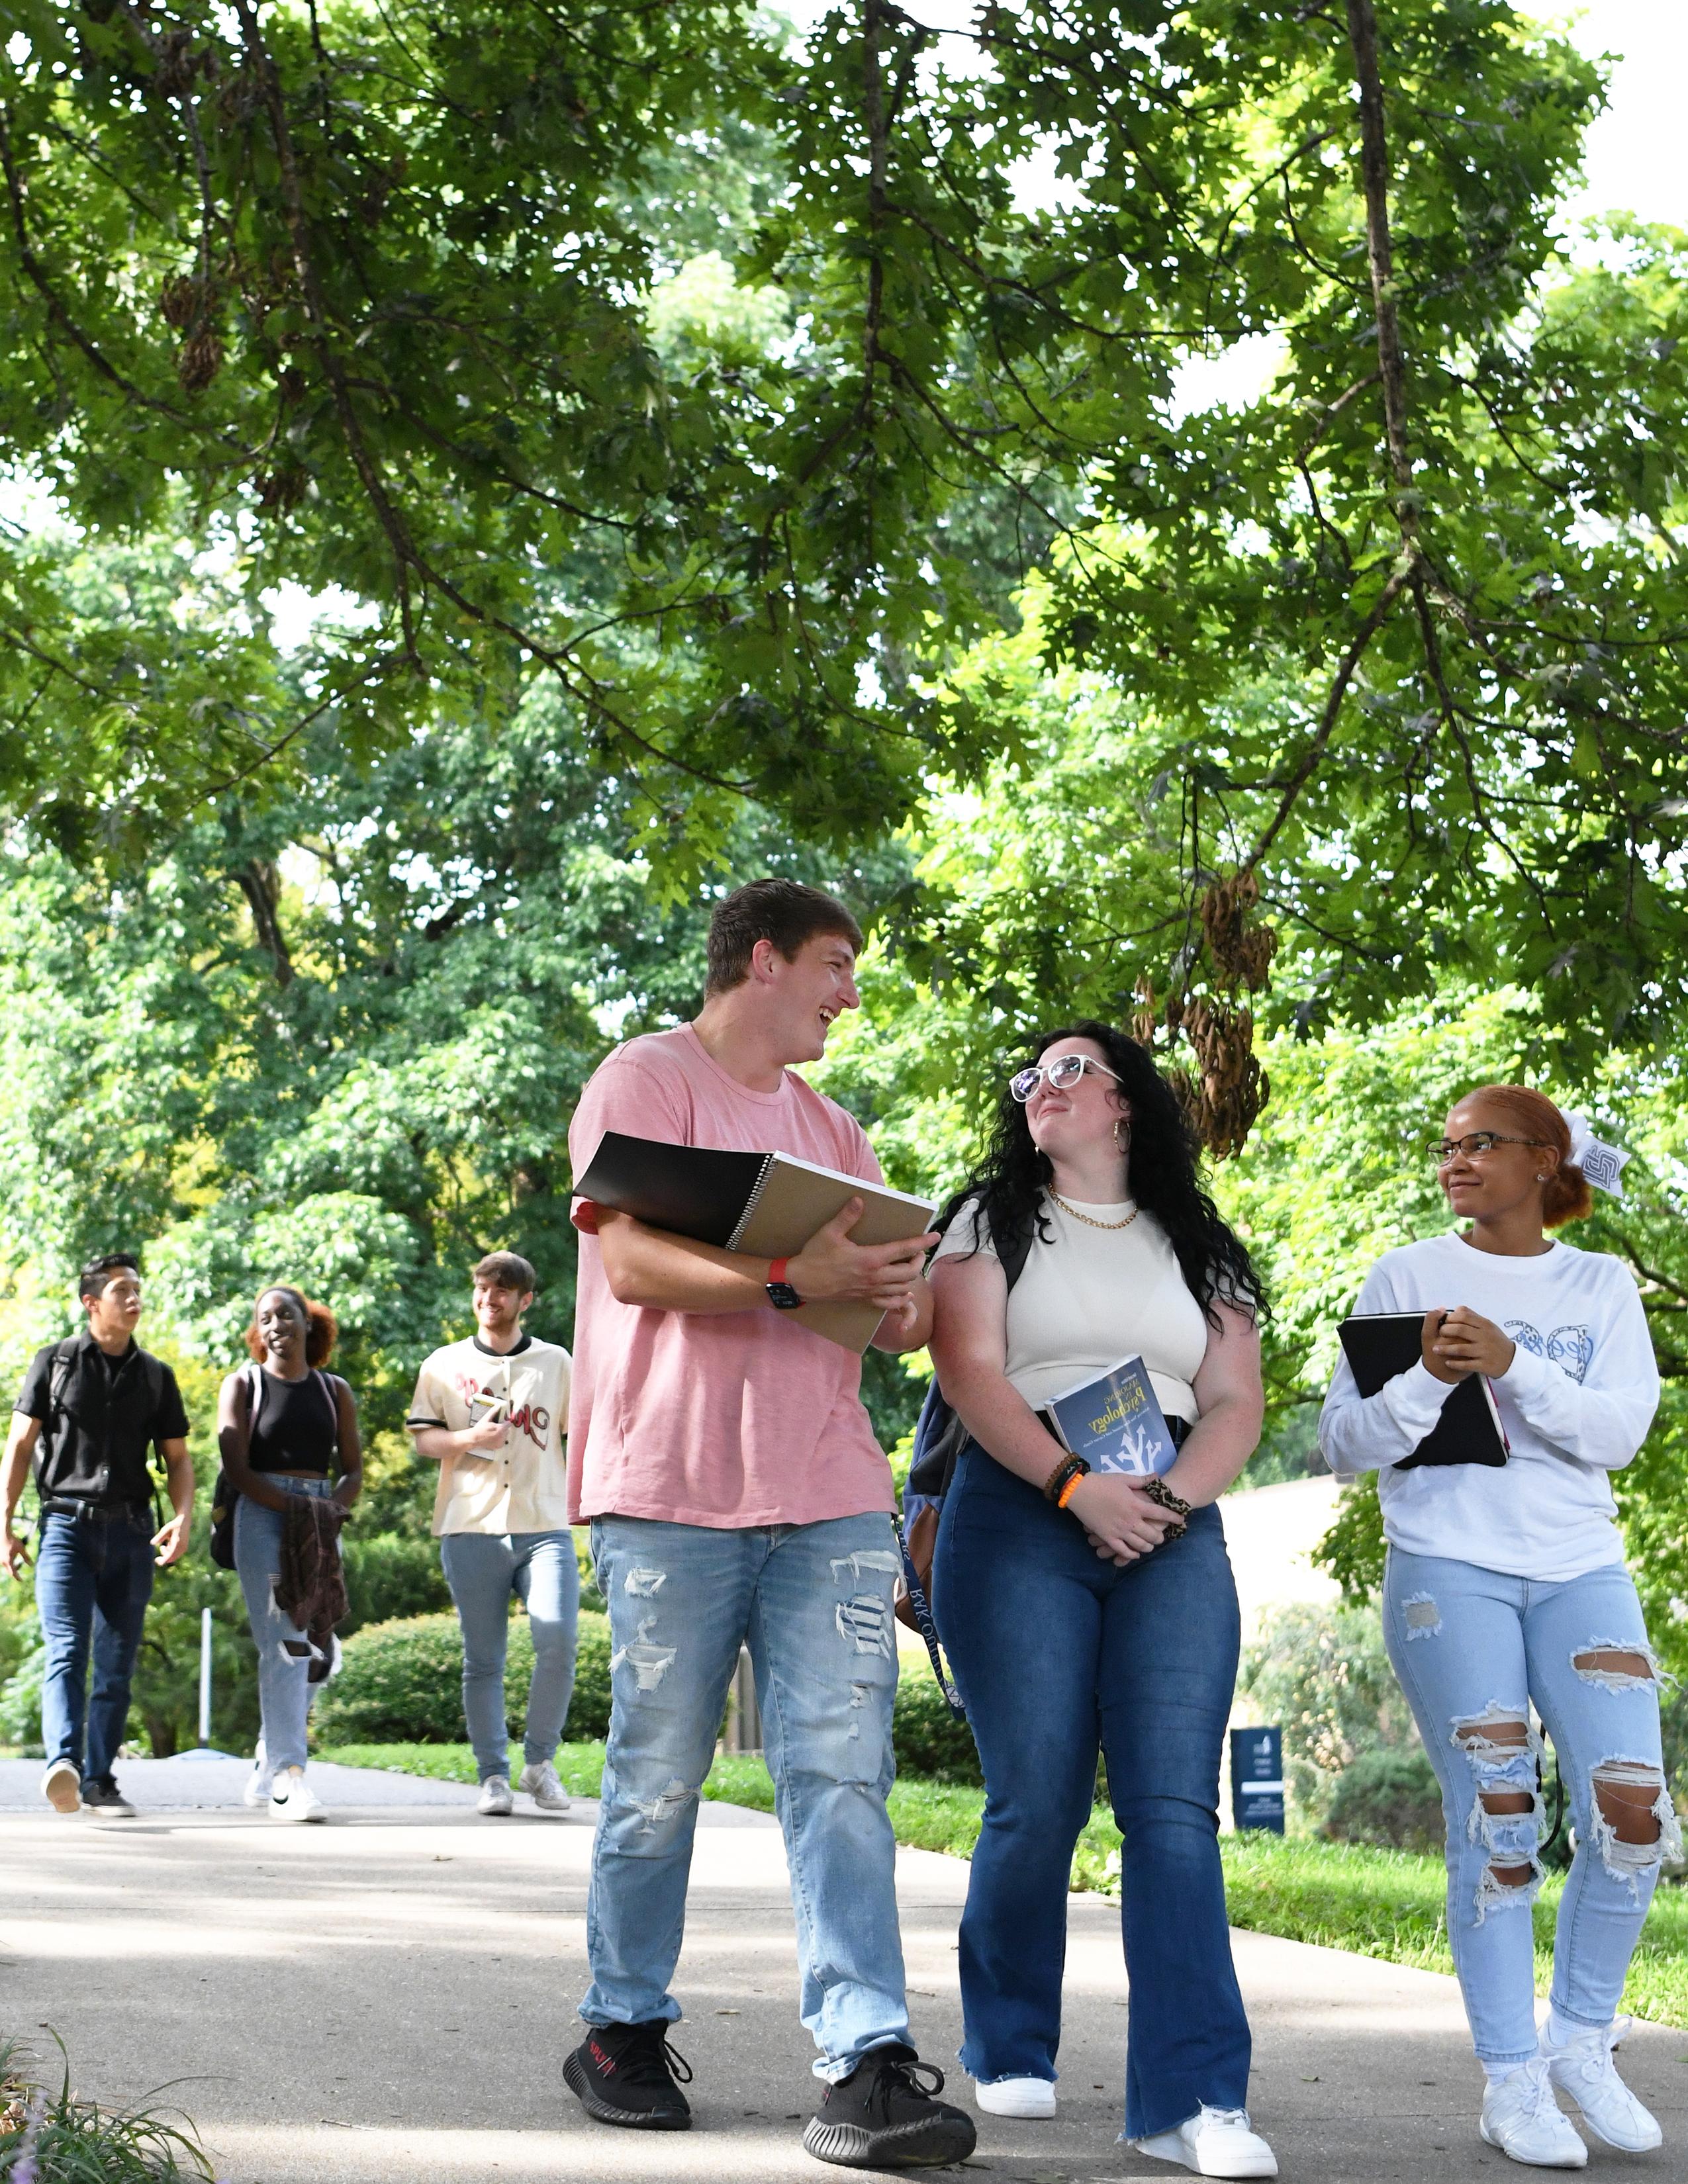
1115	1422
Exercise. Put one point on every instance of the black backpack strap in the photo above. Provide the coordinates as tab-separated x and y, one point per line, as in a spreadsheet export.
324	1381
64	1357
1011	1241
253	1374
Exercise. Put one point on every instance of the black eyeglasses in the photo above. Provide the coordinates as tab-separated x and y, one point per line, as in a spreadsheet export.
1477	1145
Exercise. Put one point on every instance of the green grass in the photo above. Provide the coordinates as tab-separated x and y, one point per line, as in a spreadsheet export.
1390	1903
73	2141
1375	1902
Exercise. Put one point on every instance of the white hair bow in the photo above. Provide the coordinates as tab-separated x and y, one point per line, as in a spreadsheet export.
1602	1164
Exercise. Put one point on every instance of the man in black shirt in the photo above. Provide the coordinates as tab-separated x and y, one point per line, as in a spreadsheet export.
90	1409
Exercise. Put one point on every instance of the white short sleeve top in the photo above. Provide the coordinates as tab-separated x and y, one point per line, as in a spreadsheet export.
1089	1296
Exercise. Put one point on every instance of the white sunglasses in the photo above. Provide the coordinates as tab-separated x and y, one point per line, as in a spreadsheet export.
1066	1069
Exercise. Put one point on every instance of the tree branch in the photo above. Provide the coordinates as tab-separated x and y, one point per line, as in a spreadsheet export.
1363	36
1332	706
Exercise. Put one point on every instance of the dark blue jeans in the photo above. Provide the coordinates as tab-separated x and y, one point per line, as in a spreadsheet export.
1055	1651
93	1579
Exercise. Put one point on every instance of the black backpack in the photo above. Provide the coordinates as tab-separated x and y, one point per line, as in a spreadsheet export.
64	1357
939	1434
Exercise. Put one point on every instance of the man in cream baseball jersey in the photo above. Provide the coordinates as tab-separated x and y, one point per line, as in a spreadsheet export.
492	1411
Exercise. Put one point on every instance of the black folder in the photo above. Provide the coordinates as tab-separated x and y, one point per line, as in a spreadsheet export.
766	1204
1380	1345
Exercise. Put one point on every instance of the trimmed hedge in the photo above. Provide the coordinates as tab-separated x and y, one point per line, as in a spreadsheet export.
401	1682
389	1576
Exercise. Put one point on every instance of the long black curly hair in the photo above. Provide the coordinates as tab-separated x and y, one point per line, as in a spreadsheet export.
1166	1176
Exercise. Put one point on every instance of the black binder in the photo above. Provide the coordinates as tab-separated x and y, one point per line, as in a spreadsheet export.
1379	1344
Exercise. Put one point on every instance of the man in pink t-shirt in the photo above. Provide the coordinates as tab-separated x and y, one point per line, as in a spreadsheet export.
736	1495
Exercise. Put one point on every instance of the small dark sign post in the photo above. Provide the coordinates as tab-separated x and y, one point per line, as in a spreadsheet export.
1257	1778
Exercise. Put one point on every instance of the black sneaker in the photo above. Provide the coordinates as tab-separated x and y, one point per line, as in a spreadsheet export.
106	1797
885	2116
625	2073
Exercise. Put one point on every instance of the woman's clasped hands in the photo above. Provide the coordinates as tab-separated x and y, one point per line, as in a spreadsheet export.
1120	1521
1459	1343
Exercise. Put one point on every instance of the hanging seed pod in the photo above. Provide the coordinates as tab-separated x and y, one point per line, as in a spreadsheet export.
181	300
283	487
1241	953
1144	1020
200	361
1224	1095
177	66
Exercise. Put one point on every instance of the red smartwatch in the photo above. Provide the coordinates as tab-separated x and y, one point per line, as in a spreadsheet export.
780	1294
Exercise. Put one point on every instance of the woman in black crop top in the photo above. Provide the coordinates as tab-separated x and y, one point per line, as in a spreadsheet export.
287	1429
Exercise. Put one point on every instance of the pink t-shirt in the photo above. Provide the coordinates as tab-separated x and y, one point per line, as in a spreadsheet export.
734	1419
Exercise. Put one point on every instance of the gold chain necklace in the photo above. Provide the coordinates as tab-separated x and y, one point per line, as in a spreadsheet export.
1089	1220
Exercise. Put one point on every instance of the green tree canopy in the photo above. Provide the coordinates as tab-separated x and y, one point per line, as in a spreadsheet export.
371	301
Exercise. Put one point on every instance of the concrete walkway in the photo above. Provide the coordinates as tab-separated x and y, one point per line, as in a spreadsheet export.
389	1996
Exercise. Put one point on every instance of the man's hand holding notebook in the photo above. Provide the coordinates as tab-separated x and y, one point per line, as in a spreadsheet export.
776	1206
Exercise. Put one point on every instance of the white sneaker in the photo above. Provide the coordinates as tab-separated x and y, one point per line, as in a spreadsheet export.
261	1781
1583	2071
292	1798
1214	2142
61	1787
1017	2096
542	1784
1521	2116
496	1795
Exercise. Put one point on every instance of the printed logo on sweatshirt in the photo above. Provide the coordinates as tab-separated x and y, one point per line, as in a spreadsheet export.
1570	1348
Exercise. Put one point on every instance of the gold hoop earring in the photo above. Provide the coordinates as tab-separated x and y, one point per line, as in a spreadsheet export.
1123	1143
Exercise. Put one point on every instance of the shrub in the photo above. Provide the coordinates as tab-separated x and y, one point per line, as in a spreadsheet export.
1390	1797
392	1575
927	1737
1323	1675
401	1683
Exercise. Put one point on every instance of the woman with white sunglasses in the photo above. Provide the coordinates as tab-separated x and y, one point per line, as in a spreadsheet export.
1078	1610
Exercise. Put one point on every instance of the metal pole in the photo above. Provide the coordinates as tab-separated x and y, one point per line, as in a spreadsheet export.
205	1675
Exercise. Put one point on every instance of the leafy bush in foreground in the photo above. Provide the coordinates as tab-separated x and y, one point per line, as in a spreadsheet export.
401	1682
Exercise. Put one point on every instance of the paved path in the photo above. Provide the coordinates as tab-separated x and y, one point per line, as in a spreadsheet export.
388	1997
189	1785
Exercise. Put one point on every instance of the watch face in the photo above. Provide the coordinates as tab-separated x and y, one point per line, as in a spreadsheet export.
783	1297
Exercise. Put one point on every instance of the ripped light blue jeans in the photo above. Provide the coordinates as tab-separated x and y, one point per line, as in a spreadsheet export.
1473	1648
814	1603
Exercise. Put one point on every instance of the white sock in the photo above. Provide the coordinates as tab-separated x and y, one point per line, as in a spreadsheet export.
1493	2072
1560	2031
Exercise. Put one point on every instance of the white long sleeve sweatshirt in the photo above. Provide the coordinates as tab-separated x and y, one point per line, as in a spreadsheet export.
1576	1402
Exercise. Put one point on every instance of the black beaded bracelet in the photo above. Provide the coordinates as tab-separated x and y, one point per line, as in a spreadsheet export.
1070	1468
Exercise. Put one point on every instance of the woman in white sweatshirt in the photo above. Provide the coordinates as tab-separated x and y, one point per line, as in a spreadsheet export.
1505	1585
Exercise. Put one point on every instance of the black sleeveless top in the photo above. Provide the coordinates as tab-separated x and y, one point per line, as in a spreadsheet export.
298	1427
